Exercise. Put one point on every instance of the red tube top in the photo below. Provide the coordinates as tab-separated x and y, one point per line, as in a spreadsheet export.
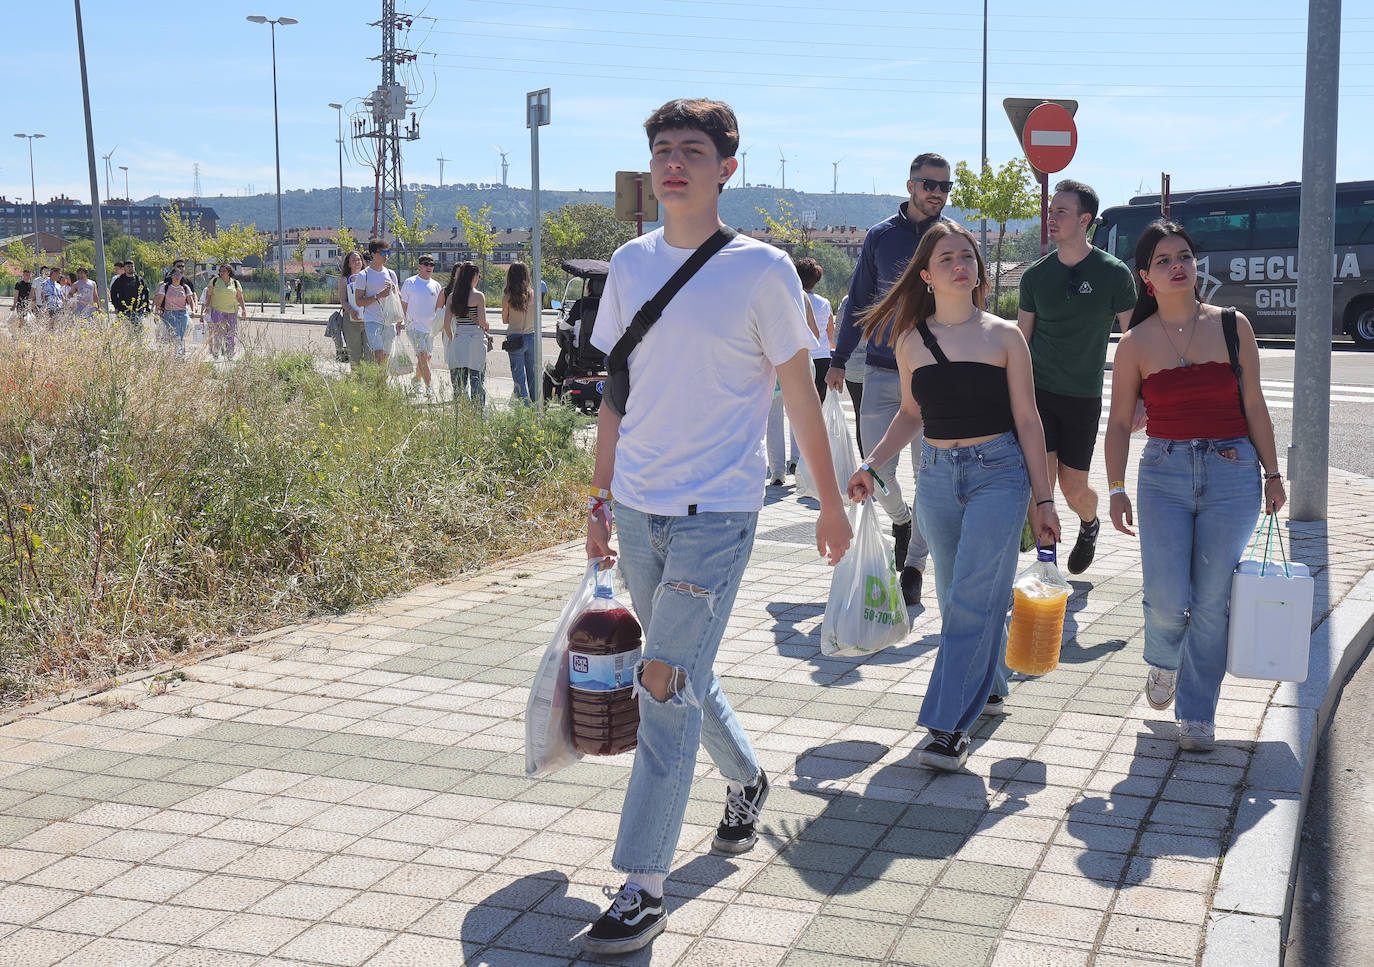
1199	402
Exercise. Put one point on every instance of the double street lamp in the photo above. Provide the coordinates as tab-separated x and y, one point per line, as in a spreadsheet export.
276	139
33	193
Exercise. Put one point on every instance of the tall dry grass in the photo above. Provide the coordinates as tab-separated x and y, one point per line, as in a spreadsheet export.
150	505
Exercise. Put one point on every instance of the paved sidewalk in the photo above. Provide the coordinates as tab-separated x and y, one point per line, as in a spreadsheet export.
352	791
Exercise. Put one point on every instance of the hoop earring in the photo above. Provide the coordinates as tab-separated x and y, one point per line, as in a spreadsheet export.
1150	289
930	288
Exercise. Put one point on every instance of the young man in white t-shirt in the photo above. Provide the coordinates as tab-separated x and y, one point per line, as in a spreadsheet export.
421	299
367	289
686	464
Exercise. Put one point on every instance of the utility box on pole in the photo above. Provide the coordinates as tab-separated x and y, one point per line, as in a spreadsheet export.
634	198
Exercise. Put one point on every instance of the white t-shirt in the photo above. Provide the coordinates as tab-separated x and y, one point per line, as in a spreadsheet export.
701	382
420	297
368	283
820	308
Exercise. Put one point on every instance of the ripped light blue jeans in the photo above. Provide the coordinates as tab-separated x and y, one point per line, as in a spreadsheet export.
682	573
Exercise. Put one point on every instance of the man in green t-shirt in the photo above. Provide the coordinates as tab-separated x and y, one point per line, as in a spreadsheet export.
1069	300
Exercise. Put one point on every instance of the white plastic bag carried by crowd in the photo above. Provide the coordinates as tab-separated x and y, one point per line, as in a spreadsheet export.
392	312
548	712
841	448
1271	615
865	611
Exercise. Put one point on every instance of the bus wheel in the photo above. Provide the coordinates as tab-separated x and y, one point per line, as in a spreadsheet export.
1361	325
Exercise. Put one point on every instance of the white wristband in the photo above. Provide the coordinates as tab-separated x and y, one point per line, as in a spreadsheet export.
1116	490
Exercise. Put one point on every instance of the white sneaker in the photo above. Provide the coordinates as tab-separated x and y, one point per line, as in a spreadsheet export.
1196	736
1159	687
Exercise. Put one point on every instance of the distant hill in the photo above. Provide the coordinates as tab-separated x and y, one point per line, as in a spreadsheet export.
510	207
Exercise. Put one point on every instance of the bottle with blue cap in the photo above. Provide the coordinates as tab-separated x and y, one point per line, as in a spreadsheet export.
1040	597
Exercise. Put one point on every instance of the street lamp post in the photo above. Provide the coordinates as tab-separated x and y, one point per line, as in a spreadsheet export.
33	193
536	116
339	109
128	211
276	141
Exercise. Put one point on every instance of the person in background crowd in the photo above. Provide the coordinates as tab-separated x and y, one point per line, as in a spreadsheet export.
1198	486
517	315
84	294
465	328
1070	299
887	250
129	296
225	305
23	296
50	296
368	288
421	298
854	380
354	330
300	291
175	300
966	383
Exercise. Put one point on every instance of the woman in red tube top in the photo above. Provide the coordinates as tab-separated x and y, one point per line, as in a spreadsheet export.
1210	453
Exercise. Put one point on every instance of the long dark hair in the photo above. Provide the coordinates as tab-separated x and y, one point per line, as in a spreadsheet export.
518	291
910	300
461	287
1157	231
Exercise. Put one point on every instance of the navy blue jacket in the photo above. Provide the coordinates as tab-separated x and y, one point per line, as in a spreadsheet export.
888	247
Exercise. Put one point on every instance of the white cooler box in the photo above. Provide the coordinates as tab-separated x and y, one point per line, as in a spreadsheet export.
1271	621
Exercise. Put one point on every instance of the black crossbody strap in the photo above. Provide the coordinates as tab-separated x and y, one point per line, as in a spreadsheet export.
1228	332
618	361
931	342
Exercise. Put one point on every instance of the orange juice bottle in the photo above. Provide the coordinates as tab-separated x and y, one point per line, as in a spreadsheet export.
1040	596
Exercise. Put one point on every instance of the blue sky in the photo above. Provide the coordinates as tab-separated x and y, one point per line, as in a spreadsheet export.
1211	93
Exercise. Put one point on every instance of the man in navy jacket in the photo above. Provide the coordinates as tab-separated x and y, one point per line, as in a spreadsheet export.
887	249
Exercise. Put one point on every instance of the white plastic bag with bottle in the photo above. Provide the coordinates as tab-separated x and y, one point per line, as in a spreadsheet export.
548	711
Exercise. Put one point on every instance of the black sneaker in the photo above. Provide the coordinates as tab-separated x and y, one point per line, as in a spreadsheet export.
735	834
995	705
792	467
901	537
911	585
947	751
1085	547
634	919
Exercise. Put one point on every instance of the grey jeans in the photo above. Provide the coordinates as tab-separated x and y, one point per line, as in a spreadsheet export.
881	400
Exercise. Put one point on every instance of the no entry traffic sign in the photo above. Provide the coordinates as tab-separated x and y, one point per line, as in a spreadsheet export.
1049	138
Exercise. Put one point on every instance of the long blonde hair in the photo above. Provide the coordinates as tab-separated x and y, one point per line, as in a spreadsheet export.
910	299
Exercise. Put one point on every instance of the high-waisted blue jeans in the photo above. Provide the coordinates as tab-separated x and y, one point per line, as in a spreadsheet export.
682	573
1196	510
971	506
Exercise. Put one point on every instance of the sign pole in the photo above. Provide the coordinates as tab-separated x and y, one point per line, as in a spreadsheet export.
1044	212
536	115
639	204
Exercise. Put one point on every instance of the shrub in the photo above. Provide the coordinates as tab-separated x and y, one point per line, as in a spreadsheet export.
148	506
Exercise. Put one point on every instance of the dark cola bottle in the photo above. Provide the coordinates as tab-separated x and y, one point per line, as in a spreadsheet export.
604	645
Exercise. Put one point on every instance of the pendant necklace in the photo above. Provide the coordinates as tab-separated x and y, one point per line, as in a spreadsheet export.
950	325
1183	353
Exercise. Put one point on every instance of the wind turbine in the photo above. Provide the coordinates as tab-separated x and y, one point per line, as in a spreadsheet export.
106	158
744	167
441	159
505	165
835	184
783	159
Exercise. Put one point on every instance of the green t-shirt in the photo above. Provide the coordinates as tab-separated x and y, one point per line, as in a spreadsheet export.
1074	312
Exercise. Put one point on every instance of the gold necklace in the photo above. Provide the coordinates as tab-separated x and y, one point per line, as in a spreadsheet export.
1182	354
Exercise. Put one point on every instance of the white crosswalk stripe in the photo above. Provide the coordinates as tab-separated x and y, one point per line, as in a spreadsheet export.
1278	393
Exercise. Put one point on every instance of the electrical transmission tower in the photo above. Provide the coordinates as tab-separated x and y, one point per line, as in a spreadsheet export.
195	182
381	125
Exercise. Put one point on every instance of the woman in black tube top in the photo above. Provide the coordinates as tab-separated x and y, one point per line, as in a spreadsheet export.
968	374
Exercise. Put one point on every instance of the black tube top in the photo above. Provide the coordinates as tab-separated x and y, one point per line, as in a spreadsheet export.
962	399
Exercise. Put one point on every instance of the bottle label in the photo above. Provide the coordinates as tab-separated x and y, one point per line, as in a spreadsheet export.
602	673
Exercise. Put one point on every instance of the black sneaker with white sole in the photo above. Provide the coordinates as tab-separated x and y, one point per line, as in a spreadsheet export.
634	919
735	834
947	751
1085	548
995	705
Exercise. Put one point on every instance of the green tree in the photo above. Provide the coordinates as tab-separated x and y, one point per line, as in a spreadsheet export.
19	254
581	231
233	243
1000	196
478	233
788	233
784	228
344	239
412	234
837	269
182	237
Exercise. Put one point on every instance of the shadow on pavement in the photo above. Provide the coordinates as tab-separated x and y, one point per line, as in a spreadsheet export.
827	670
856	838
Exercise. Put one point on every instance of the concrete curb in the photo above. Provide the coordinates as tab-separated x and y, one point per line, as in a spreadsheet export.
1254	897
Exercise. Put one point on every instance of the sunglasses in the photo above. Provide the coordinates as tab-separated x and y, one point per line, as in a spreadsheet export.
385	251
932	184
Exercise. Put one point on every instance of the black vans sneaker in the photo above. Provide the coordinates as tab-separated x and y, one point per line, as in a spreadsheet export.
947	751
735	834
1085	548
901	539
634	919
911	585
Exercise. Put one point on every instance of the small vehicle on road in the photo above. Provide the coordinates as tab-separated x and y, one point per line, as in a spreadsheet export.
578	376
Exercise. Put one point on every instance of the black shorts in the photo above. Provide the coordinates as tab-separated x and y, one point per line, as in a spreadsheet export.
1071	424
